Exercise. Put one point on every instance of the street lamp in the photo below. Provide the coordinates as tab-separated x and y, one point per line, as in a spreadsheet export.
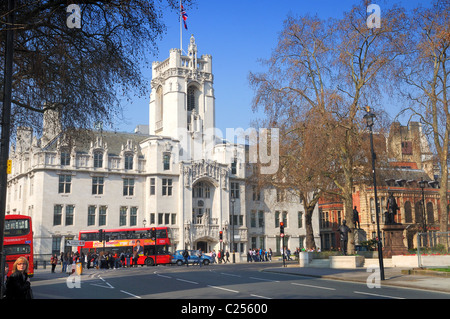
232	227
369	117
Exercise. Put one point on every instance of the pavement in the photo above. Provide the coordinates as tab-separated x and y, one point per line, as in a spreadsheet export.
394	276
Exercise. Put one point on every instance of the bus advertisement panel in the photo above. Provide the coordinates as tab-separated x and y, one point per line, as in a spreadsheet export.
134	241
18	241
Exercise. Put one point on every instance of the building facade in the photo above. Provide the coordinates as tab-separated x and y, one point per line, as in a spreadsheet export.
410	164
176	172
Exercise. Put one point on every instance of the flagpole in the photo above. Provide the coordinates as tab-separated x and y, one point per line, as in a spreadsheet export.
181	32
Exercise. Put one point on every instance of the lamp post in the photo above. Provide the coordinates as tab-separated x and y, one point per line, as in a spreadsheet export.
369	117
232	227
422	185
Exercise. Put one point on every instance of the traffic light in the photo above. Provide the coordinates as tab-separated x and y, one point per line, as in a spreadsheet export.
281	228
153	233
100	235
221	235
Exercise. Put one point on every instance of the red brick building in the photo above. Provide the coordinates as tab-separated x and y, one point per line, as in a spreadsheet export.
410	163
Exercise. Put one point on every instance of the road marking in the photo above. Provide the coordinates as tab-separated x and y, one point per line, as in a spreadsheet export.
163	276
224	289
311	286
192	282
125	292
224	273
377	295
260	297
263	279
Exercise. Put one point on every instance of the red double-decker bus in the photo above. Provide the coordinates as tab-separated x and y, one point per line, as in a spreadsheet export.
18	241
125	240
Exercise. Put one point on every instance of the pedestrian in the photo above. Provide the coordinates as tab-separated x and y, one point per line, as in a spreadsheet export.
199	255
270	254
5	279
127	258
18	285
54	261
64	262
227	254
186	257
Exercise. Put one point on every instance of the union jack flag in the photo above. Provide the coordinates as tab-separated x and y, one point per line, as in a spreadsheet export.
184	16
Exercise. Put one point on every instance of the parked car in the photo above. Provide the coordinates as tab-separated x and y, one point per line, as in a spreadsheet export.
193	258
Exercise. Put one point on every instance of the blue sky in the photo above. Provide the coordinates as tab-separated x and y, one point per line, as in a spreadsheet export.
237	34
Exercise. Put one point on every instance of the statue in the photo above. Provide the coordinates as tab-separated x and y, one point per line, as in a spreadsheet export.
356	218
343	231
392	208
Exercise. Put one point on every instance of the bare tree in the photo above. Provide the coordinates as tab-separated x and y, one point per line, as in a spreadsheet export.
329	68
423	78
81	72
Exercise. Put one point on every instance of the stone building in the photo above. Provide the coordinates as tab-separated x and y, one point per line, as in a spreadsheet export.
410	163
178	171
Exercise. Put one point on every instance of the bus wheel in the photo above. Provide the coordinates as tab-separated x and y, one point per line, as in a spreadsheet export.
149	262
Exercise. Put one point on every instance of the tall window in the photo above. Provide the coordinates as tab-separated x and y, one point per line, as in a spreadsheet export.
128	186
65	182
91	216
128	161
57	215
191	98
133	216
300	219
65	157
167	187
235	190
152	186
97	185
166	161
102	216
123	216
69	214
408	212
98	159
261	218
285	218
277	219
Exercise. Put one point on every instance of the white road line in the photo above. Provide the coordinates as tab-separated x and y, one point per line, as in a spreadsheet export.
260	296
377	295
224	273
125	292
263	279
163	276
191	282
223	289
311	286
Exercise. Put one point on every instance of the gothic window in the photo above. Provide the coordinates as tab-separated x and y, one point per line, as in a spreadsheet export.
408	212
418	212
430	213
191	98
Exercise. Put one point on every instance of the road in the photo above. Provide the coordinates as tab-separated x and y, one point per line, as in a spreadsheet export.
219	282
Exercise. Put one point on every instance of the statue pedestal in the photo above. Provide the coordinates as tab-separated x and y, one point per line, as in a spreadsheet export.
360	236
393	240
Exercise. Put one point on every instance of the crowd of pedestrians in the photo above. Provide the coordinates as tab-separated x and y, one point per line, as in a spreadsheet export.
255	255
101	260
